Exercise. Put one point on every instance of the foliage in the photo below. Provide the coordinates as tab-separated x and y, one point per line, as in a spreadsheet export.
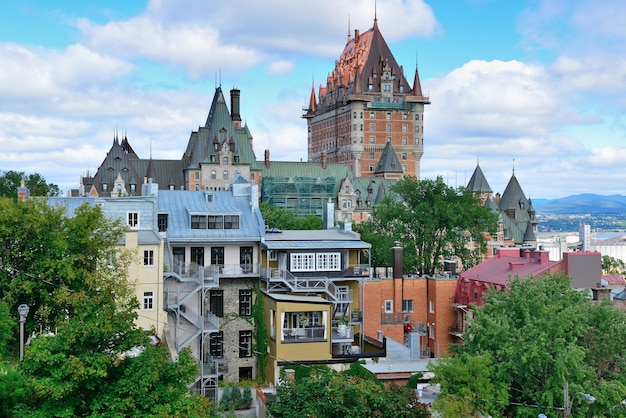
432	222
326	393
11	180
232	398
71	273
260	334
246	399
45	256
612	265
288	220
8	324
414	380
528	341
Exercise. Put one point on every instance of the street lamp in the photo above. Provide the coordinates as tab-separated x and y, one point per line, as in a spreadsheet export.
567	404
23	311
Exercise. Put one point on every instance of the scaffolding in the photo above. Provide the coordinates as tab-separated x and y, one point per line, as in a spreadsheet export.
302	195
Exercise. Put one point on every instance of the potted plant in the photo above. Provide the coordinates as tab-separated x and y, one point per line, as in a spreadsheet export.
341	328
304	320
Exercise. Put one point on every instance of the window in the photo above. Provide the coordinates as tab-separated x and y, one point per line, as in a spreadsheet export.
417	116
197	255
162	222
213	175
225	161
404	168
216	302
231	221
302	262
245	258
405	141
388	306
133	188
196	187
273	256
388	116
431	306
132	219
216	222
148	300
372	127
216	344
405	128
404	155
245	343
372	139
148	258
372	115
245	302
245	373
407	305
198	222
370	87
354	115
405	116
386	87
371	155
431	331
217	255
105	187
371	167
196	175
252	176
401	89
417	129
329	261
225	175
388	128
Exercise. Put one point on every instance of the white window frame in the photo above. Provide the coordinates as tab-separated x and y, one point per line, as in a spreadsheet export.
431	306
388	306
431	331
328	261
302	261
148	258
132	220
273	255
148	301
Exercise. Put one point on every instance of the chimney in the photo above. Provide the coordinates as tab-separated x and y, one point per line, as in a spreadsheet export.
328	216
396	255
324	160
527	254
267	158
235	94
357	36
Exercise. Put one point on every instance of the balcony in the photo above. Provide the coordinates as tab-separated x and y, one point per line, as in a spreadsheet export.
394	318
349	272
193	273
459	301
304	335
456	330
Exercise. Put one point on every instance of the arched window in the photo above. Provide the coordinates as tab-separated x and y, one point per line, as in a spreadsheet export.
225	174
213	175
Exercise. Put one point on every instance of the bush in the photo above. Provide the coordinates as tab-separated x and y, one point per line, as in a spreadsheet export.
231	398
246	401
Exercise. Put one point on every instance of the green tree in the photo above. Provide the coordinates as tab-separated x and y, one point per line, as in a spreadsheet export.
325	393
44	254
531	339
11	180
612	265
432	222
288	220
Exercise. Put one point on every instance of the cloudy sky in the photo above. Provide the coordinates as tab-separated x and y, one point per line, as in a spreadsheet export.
535	86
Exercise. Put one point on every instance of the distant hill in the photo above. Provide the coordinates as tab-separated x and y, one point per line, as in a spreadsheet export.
580	204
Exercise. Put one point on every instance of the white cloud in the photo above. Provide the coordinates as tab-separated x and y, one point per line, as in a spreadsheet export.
280	67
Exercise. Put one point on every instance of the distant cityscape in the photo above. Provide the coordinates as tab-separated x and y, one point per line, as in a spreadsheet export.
571	223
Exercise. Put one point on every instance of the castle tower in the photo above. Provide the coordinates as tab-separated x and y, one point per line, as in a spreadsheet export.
367	103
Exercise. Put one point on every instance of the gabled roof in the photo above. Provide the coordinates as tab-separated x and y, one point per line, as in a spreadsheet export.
388	162
478	183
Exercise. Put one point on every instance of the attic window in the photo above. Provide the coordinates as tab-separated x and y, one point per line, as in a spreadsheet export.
209	197
370	87
401	89
125	169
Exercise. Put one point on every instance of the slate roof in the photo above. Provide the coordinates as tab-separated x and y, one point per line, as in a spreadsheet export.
478	183
388	162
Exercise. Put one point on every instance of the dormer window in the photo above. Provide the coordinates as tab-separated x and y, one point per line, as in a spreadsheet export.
225	161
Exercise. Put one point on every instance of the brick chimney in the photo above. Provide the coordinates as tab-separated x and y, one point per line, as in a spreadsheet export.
235	94
267	158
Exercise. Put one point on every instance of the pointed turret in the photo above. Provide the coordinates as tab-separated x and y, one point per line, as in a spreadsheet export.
388	162
478	183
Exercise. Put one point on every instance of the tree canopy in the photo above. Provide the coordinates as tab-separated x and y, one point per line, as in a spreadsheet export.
432	222
288	220
74	276
523	344
322	392
11	180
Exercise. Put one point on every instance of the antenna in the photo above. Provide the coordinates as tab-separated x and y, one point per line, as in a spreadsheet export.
513	165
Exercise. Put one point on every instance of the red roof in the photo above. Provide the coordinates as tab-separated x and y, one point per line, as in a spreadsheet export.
499	270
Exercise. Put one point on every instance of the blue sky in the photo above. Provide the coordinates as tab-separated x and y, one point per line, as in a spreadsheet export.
535	85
